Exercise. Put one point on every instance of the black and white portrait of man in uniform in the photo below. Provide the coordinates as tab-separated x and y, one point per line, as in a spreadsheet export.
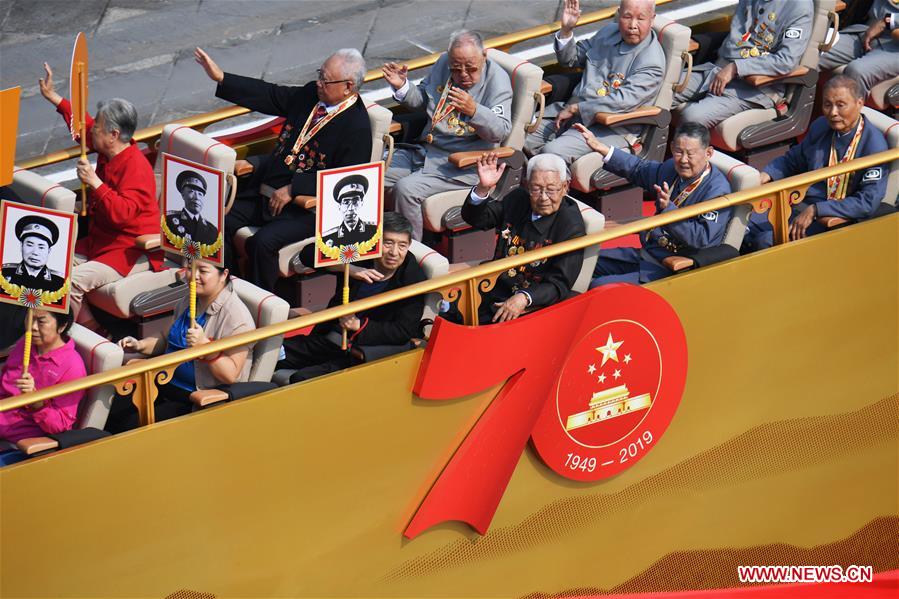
349	194
189	221
37	236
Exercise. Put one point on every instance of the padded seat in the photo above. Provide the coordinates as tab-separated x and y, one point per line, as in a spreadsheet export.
586	172
594	222
526	97
36	190
761	127
878	94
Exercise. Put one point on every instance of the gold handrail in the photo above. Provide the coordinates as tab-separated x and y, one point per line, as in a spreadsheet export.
165	361
201	121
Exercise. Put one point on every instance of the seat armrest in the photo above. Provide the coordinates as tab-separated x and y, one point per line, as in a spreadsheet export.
840	6
646	115
150	241
466	159
678	263
546	87
798	75
693	46
394	128
243	169
36	445
829	222
719	253
307	202
206	397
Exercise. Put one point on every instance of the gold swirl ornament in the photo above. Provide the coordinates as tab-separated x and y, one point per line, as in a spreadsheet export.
334	253
193	249
33	298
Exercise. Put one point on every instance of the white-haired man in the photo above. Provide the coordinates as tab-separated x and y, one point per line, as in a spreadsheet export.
468	99
326	126
527	218
624	66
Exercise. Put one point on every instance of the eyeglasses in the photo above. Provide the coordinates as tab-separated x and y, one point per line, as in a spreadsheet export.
547	191
321	78
471	69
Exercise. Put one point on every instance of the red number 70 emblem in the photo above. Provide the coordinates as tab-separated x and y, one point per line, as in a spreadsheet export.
593	382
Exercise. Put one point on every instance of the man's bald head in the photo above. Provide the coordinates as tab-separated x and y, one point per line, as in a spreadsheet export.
635	20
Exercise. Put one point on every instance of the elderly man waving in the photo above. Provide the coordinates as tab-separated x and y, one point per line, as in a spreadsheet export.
624	66
468	99
326	126
684	179
528	219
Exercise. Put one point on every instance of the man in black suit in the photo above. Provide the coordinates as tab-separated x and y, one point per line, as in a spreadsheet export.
393	324
326	126
38	235
189	221
527	218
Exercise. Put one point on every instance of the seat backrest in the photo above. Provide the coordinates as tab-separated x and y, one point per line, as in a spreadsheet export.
435	265
35	190
99	355
184	142
526	79
266	309
594	222
820	22
890	129
675	40
379	118
740	176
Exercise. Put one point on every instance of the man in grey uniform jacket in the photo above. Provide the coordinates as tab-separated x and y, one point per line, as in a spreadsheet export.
868	49
468	99
624	66
767	37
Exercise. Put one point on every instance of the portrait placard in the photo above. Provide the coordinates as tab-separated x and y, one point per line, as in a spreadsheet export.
37	248
350	214
192	209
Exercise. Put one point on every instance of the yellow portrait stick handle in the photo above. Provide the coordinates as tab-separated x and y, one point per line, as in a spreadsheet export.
346	297
26	357
193	293
82	125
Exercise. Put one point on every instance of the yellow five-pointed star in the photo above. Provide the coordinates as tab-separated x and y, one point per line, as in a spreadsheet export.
609	350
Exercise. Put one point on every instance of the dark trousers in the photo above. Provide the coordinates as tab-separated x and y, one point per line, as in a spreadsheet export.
172	402
313	355
760	233
625	265
292	225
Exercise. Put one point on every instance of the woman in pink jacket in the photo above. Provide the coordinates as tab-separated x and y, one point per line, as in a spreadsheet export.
54	360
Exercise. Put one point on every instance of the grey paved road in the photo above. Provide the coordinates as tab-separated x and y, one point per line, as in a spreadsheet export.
141	50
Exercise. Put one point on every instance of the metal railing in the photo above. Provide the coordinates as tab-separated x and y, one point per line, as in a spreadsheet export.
150	135
139	379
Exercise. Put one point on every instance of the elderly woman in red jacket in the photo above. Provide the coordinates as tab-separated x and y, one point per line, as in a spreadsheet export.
122	201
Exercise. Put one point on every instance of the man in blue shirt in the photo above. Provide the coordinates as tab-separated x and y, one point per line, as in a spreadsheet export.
842	134
685	179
